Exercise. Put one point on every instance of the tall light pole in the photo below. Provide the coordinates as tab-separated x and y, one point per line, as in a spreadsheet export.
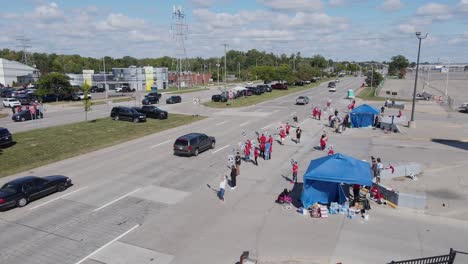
238	68
225	63
372	77
105	79
411	123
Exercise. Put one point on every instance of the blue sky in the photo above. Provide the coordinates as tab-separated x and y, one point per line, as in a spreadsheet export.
338	29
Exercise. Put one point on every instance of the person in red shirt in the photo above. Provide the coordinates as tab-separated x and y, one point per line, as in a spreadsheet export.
282	135
256	156
288	127
27	107
262	145
331	151
247	152
323	142
400	113
270	139
314	113
295	169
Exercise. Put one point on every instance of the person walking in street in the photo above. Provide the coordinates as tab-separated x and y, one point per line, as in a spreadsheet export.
400	113
319	114
298	135
288	127
314	113
222	188
267	150
382	109
270	150
295	169
13	110
282	136
233	177
18	109
262	145
238	160
379	170
323	142
256	156
247	152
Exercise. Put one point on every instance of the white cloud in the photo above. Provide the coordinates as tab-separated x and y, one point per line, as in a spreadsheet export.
47	13
266	34
293	5
226	20
407	28
435	10
391	5
336	3
202	3
120	22
463	6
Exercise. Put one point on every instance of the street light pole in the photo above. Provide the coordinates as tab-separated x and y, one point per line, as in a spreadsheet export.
372	77
411	123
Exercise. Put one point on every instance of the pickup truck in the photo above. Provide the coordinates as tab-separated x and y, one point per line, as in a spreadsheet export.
152	112
279	86
151	98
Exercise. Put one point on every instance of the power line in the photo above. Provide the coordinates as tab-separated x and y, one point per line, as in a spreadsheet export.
24	44
179	31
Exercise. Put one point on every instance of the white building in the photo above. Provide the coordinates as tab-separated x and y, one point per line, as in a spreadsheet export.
13	71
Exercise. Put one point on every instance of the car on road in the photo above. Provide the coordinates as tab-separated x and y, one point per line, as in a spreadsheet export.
127	113
96	89
250	83
124	89
5	137
192	144
151	98
80	96
337	80
174	99
27	115
21	191
11	102
464	107
152	112
280	86
332	87
219	98
302	100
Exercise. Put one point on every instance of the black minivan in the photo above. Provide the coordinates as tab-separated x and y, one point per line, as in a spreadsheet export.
127	113
192	144
5	137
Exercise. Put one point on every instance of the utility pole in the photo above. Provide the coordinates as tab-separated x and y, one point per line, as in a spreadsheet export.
105	79
179	30
238	67
411	123
24	45
225	63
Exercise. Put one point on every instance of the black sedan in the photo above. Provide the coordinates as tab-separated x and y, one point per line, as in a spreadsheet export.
23	190
27	115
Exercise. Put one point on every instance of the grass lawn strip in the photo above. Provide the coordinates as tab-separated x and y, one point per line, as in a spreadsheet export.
2	115
186	91
47	145
255	99
125	99
367	94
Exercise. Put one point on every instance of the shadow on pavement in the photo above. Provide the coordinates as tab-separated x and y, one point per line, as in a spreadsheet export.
296	193
452	143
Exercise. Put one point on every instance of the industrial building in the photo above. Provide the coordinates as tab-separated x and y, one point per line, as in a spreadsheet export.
15	73
134	77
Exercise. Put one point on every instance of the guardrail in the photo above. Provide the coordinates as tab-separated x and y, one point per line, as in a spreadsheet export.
442	259
379	87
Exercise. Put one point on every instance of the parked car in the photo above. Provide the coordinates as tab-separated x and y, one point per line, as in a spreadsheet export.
27	115
219	98
193	144
27	99
96	89
152	112
11	102
150	99
302	100
80	96
6	93
5	137
265	87
337	80
250	83
281	86
127	113
463	107
21	191
254	90
124	89
174	99
299	83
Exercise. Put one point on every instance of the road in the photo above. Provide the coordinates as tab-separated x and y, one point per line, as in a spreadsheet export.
137	203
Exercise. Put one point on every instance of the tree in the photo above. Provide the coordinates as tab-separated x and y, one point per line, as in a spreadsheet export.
87	103
318	61
398	66
376	79
54	83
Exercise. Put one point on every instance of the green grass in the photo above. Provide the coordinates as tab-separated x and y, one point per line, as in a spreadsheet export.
173	90
255	99
43	146
188	90
367	94
2	115
125	99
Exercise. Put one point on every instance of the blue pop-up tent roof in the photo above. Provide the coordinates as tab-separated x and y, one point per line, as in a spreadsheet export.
363	115
323	178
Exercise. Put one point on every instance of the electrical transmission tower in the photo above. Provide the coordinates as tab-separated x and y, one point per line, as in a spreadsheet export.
179	30
24	44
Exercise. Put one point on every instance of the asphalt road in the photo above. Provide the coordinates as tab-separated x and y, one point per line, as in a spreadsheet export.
136	201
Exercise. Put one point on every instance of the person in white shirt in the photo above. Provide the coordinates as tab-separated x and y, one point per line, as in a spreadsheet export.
222	188
379	169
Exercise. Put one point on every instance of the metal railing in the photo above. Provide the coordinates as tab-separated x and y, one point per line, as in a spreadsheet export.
442	259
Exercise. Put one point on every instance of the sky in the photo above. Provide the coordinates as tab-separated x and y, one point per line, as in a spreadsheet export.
351	30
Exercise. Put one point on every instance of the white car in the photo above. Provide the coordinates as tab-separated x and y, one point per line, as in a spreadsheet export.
332	89
249	83
11	102
118	89
80	96
337	80
464	107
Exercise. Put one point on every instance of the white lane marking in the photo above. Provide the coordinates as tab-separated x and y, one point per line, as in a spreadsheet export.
107	244
243	124
162	143
60	197
116	200
220	149
265	127
275	111
293	113
224	122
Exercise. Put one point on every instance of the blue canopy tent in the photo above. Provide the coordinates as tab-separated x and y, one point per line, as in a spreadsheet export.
363	115
323	178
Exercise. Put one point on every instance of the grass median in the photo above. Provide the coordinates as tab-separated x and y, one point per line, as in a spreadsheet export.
2	115
255	99
182	91
47	145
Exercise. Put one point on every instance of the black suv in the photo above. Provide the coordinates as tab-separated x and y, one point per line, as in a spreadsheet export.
5	137
174	99
127	113
151	98
264	87
219	98
27	115
193	144
96	89
152	112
